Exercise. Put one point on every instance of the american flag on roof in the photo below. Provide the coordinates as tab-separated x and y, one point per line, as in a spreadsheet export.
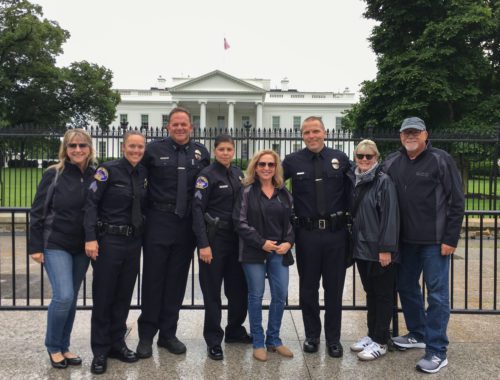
226	44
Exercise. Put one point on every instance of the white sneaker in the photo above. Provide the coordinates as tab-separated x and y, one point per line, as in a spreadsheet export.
431	363
373	351
361	344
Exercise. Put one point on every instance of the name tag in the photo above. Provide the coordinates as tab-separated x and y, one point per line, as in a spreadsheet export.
223	186
164	158
300	173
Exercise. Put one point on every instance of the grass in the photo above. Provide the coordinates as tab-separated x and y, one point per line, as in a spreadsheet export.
18	187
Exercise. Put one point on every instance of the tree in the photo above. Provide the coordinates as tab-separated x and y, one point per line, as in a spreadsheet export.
437	59
32	88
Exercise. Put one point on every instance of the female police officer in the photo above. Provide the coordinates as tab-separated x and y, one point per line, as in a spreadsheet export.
217	187
113	229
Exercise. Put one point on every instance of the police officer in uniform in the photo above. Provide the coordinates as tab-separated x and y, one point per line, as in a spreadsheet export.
113	230
322	187
217	187
173	165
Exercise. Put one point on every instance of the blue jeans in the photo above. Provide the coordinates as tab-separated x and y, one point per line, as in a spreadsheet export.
277	274
428	325
66	273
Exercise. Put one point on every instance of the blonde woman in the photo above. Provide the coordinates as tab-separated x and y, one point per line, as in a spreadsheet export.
57	238
262	217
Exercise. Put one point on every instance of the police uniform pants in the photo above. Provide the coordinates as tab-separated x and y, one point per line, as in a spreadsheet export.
224	266
169	244
321	255
114	273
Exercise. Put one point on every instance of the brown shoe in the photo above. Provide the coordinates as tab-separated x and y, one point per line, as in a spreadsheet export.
282	350
260	354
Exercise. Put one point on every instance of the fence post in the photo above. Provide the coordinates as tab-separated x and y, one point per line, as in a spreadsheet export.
496	164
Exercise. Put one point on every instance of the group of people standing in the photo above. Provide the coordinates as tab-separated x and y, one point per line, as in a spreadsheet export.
167	198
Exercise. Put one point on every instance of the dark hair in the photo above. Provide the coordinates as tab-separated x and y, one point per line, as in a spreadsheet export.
313	118
177	110
223	138
132	133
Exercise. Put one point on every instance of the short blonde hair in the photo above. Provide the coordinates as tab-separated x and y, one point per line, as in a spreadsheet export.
367	144
278	173
69	136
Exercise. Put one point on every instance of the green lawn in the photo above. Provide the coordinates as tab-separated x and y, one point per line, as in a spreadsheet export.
18	187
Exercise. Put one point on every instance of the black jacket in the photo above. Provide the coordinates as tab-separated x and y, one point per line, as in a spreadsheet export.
111	195
216	191
60	225
248	218
376	223
431	199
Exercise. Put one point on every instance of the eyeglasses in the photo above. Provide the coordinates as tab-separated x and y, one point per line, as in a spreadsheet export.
412	132
264	164
361	156
81	146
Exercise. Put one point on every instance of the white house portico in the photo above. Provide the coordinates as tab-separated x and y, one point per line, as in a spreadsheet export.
219	100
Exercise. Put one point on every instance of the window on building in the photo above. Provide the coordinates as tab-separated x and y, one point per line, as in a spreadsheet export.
244	150
144	121
123	118
276	122
296	122
277	148
338	122
196	121
221	122
102	149
164	120
297	147
244	120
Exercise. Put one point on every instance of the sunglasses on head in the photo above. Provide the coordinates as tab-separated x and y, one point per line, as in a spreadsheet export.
264	164
74	145
361	156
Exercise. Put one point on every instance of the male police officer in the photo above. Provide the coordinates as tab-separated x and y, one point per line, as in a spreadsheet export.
431	202
173	165
321	187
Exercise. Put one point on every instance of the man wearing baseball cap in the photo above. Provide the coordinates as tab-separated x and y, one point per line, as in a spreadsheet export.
431	203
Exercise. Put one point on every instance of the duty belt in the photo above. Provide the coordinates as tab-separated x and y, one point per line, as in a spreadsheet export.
110	229
168	207
334	222
223	225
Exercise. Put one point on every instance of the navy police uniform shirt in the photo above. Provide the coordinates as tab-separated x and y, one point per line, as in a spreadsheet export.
160	159
338	184
111	195
216	190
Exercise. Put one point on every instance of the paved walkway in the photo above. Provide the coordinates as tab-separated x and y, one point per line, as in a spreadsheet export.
474	353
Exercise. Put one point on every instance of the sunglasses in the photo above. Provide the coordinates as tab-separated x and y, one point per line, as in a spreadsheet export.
361	156
81	146
264	164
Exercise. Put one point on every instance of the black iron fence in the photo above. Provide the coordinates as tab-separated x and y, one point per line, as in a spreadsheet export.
473	280
26	152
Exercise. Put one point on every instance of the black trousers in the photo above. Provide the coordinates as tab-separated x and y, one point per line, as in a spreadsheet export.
378	283
114	274
169	244
321	255
224	266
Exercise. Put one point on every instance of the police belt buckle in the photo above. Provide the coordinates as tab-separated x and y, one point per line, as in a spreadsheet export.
322	224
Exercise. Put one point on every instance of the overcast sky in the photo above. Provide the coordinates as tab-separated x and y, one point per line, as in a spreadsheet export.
320	45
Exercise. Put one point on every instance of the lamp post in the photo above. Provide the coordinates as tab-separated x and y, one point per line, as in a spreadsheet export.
247	125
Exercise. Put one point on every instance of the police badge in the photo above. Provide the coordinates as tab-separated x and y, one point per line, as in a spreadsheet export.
335	163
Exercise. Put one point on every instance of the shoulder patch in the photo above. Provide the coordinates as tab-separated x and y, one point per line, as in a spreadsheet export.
93	186
101	174
201	183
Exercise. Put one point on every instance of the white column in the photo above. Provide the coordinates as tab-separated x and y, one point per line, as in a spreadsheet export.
230	115
258	119
203	114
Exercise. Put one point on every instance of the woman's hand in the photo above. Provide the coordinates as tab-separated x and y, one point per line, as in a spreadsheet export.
92	249
283	248
38	257
384	258
270	246
206	255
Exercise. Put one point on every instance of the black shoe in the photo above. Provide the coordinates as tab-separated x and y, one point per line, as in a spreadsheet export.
173	345
99	364
123	354
215	352
74	361
246	339
144	349
59	365
311	345
335	350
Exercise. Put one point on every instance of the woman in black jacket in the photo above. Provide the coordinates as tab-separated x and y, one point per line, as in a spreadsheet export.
375	234
262	218
57	238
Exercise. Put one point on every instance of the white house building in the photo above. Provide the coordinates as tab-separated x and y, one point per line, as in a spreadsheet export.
220	100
